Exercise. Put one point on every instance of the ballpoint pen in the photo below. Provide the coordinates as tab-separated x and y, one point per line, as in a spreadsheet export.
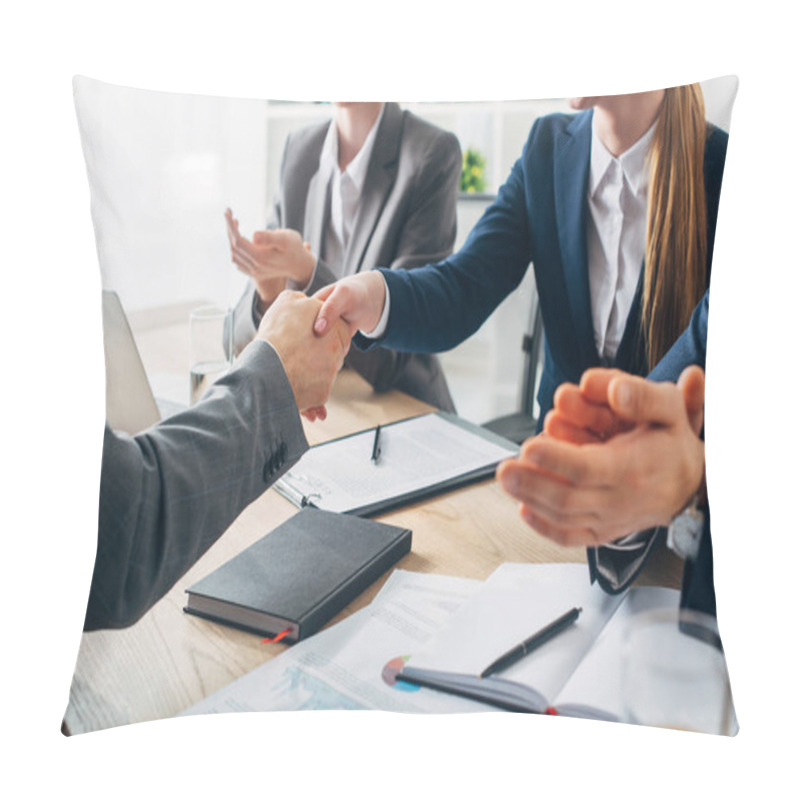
532	642
376	445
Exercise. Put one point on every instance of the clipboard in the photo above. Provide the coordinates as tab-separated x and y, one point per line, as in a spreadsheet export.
421	457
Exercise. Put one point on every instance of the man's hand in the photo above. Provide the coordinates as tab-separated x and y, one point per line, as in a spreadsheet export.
357	299
628	457
271	258
311	362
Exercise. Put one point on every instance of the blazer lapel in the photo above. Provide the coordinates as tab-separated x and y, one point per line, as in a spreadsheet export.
378	182
571	175
630	353
318	207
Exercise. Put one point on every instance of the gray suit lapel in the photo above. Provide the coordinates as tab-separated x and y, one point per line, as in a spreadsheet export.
318	207
379	180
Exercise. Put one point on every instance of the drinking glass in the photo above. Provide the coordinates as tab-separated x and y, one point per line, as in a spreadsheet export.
674	673
211	347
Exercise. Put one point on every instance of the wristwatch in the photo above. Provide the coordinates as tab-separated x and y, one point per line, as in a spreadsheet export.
685	529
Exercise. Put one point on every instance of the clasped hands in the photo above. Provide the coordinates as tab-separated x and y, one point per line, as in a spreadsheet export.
311	362
312	336
619	454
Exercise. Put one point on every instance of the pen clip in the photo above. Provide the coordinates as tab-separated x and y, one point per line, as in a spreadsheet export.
295	496
305	501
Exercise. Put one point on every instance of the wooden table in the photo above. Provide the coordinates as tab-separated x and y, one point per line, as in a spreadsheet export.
170	660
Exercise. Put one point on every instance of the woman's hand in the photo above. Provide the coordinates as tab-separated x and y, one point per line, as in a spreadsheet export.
358	300
271	258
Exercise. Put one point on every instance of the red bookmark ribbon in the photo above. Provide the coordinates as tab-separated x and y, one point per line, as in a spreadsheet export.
277	637
551	711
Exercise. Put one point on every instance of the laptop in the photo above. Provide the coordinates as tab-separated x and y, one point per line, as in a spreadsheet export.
130	404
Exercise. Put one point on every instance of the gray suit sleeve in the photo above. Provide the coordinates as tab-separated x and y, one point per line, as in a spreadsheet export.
167	494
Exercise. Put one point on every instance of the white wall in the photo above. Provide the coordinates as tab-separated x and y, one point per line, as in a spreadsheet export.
165	166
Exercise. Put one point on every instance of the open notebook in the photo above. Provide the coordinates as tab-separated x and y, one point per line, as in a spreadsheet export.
576	673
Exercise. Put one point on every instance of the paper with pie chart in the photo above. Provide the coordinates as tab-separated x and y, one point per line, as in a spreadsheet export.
352	665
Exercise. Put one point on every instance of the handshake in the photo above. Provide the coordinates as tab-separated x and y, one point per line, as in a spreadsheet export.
312	335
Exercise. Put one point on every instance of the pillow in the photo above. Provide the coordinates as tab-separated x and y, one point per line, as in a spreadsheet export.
162	169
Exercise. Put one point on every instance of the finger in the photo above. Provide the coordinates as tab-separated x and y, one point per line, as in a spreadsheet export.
325	292
556	425
229	227
562	390
242	258
595	381
344	333
233	232
563	535
576	408
585	465
333	307
638	400
265	239
315	413
552	499
246	246
692	383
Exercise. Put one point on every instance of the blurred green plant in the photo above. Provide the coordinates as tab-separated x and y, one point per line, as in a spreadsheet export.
473	172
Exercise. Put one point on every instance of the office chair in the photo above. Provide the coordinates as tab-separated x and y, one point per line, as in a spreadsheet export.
522	424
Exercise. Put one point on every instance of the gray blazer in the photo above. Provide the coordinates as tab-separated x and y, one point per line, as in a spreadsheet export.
167	494
406	218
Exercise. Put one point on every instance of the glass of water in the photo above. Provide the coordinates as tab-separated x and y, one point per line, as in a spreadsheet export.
211	347
674	673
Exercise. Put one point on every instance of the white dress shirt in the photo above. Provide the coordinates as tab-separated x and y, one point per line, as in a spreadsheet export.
616	239
346	188
615	236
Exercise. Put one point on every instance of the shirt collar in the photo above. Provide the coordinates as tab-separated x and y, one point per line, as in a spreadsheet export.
357	168
633	161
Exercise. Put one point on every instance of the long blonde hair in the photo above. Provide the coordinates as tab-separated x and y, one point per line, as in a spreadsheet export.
675	255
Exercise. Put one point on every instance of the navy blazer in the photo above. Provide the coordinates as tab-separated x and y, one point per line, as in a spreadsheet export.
539	216
697	591
616	570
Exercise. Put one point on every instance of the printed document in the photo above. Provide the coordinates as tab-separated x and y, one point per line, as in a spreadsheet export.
415	454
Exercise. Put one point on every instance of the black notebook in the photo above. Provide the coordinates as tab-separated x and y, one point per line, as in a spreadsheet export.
300	575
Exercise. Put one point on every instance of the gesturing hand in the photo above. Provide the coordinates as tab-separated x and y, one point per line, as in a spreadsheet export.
311	362
620	454
271	258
